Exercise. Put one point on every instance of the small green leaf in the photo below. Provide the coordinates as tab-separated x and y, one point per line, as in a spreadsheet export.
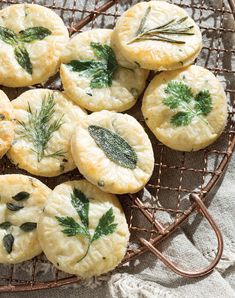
34	33
81	203
28	226
105	226
8	36
14	207
5	225
114	146
203	102
182	119
71	227
178	92
22	57
21	196
8	241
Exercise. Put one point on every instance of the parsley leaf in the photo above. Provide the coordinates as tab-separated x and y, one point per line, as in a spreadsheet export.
105	225
81	203
180	96
102	71
71	227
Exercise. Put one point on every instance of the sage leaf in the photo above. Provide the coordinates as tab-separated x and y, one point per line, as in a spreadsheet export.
71	227
5	225
21	196
22	57
14	207
8	241
28	226
33	33
81	203
105	226
8	36
114	146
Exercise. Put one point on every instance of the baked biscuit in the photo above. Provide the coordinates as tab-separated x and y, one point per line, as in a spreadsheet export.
32	38
22	201
157	35
83	230
45	121
113	152
186	109
92	77
6	124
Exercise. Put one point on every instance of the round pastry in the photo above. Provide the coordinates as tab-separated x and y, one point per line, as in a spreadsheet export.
22	201
83	230
32	38
6	124
92	77
186	109
157	35
113	152
45	121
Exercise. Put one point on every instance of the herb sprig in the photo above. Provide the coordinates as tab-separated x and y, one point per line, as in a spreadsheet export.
161	33
18	42
71	228
180	96
100	71
40	128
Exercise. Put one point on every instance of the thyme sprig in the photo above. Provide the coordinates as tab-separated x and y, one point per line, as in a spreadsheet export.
172	27
40	128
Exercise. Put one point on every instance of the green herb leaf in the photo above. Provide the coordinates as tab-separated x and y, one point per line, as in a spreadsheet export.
172	27
5	225
34	33
21	196
8	36
8	241
40	128
180	96
14	207
71	227
101	72
105	226
81	203
182	119
22	57
28	226
114	146
203	102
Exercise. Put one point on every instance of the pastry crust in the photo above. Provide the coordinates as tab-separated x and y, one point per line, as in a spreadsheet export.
44	54
26	244
23	150
202	131
152	54
104	254
6	124
100	170
127	84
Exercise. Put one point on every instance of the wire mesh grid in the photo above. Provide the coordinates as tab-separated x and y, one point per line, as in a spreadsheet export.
164	203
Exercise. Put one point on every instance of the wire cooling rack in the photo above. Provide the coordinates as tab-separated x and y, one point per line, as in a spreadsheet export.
181	181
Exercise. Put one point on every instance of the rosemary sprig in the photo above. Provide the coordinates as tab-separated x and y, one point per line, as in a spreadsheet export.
172	27
40	128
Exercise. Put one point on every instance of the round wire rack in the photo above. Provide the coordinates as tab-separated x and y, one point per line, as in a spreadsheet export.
181	180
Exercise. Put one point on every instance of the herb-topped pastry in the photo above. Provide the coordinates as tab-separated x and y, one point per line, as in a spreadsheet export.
6	124
113	152
157	35
44	124
92	77
186	109
32	38
22	201
83	230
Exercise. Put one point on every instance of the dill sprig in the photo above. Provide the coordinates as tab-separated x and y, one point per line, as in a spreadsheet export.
172	27
40	128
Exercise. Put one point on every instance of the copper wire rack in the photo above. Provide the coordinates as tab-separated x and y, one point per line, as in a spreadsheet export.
181	181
